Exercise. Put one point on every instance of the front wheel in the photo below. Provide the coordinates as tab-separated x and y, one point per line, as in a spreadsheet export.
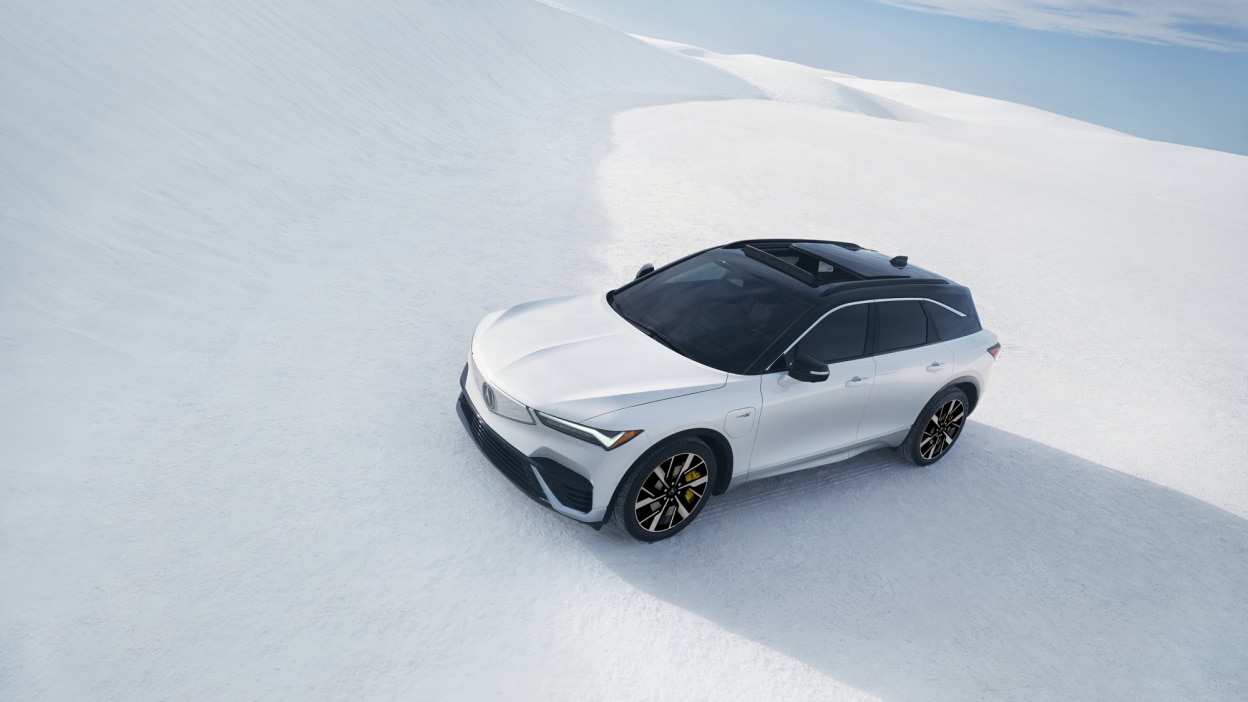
939	425
665	489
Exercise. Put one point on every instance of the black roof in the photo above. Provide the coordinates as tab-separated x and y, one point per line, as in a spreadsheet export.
826	275
832	273
834	265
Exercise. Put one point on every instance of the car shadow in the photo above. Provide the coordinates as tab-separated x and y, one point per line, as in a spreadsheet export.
1009	571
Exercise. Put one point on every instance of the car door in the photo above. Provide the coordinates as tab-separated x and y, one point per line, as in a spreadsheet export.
802	423
908	369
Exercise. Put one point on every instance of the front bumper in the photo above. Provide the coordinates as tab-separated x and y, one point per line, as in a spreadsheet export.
544	480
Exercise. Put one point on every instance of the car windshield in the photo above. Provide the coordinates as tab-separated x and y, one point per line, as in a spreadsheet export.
710	310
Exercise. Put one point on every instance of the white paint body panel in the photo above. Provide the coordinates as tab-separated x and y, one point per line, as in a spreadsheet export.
577	359
904	382
805	422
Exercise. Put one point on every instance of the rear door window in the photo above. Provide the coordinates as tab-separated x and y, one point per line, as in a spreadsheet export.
899	324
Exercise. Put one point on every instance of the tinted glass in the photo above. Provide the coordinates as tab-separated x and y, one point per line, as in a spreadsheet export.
899	325
841	335
949	325
717	313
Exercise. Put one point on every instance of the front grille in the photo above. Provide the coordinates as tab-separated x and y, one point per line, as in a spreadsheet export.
506	459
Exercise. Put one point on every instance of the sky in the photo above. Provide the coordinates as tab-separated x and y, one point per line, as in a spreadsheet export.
1161	70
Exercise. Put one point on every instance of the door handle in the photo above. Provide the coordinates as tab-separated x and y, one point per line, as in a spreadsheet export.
856	381
936	365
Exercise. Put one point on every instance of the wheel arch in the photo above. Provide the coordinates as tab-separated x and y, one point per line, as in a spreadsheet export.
720	447
968	385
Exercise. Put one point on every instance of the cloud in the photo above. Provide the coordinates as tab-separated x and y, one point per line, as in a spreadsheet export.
1207	24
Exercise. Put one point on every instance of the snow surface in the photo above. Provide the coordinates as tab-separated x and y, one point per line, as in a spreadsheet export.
242	249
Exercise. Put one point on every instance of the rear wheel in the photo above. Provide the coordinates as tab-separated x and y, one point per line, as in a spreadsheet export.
939	425
665	489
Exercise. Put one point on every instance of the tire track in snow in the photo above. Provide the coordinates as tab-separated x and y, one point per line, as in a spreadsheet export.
752	496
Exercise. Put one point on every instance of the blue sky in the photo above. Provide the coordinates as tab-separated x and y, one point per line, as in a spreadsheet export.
1173	71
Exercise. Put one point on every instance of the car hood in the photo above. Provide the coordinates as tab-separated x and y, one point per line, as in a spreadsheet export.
576	358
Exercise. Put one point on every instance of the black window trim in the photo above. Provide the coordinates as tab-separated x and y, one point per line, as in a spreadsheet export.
871	325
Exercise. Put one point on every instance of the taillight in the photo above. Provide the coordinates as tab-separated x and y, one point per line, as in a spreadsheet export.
994	350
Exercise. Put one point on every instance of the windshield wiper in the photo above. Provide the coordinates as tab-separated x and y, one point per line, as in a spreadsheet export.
662	339
652	333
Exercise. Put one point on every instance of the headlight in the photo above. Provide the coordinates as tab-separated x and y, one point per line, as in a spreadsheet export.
604	438
504	405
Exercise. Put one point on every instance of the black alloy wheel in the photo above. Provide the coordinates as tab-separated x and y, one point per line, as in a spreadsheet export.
942	429
938	427
666	489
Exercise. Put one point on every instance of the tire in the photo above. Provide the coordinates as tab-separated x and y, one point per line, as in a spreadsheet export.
937	429
649	505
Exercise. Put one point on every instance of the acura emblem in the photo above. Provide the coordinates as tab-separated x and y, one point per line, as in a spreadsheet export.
488	393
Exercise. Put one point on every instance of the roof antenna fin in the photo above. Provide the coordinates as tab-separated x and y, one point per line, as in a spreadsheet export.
899	261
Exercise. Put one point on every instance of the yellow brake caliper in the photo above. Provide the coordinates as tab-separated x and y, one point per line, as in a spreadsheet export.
689	478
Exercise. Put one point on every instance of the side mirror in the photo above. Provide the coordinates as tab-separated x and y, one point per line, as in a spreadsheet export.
807	369
644	271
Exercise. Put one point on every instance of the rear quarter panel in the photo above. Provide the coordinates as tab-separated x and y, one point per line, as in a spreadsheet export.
972	360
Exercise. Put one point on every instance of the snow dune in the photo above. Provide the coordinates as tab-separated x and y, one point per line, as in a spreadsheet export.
242	248
1105	261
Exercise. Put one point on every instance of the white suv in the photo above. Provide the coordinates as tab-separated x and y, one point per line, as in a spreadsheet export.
736	363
